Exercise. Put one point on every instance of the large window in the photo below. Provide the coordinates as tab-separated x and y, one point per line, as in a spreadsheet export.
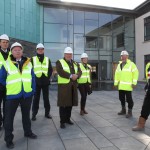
101	35
147	28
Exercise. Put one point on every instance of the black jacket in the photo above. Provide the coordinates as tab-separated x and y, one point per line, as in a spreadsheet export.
43	80
5	55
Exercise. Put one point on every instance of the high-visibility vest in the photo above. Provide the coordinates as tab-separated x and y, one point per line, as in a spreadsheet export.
39	67
146	70
16	80
66	68
127	76
2	58
85	77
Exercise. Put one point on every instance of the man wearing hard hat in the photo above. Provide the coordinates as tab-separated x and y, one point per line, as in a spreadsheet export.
4	53
126	76
43	71
68	73
84	82
18	76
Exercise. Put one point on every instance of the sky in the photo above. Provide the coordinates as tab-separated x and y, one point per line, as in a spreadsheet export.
124	4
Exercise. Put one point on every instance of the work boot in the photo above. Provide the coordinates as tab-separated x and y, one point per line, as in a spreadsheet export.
81	112
69	122
33	117
48	116
123	111
62	125
141	125
10	145
129	114
85	112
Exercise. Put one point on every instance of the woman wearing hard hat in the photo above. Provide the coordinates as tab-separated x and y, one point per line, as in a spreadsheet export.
84	82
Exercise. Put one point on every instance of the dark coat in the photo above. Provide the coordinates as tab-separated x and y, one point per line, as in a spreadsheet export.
67	93
43	80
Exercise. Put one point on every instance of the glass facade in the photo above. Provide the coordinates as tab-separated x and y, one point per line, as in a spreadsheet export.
102	36
20	19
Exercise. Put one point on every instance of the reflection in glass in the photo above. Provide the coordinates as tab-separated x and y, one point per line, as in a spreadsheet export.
70	17
91	15
92	55
54	51
91	42
78	41
53	15
91	28
78	21
55	33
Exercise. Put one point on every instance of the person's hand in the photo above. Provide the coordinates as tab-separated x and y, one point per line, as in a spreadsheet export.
133	86
74	77
115	87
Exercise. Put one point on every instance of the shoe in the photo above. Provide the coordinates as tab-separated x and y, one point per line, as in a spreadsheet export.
70	122
123	111
81	112
129	114
31	136
140	125
33	118
10	145
85	112
62	125
48	116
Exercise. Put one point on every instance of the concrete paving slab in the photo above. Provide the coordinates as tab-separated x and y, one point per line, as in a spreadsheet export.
46	143
112	132
99	140
79	144
128	143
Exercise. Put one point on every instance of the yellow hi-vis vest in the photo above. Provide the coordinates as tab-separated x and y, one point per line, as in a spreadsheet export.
66	68
39	67
127	76
85	77
16	80
146	70
2	58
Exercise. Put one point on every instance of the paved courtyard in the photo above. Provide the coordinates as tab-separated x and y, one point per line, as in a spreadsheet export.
101	129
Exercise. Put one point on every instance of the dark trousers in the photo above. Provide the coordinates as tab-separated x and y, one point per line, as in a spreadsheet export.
45	91
83	91
126	96
65	113
10	110
2	100
146	106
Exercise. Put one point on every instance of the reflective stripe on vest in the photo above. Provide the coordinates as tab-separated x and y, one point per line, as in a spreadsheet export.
85	77
66	68
39	67
16	80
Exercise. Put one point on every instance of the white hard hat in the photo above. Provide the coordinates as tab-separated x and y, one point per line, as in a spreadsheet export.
4	37
16	44
40	45
68	50
124	53
84	55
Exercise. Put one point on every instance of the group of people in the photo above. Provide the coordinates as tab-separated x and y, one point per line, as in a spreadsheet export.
23	78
